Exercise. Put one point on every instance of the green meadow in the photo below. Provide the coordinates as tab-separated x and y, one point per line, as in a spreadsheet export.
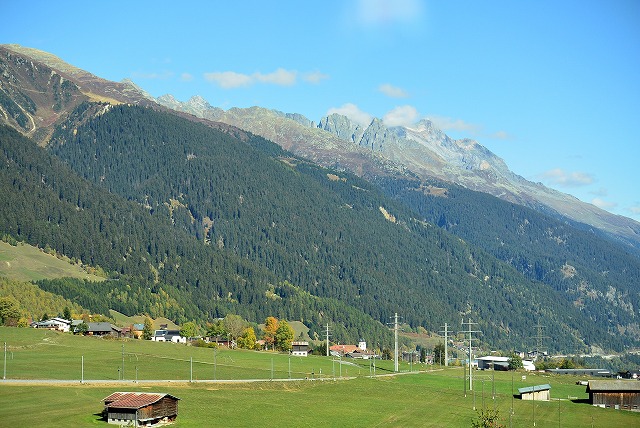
26	263
206	383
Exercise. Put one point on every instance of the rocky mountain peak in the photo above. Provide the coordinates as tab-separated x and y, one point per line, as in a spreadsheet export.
342	127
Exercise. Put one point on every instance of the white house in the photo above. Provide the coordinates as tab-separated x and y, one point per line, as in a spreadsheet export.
300	349
59	324
168	336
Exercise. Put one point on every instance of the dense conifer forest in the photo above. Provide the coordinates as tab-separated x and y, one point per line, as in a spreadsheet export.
193	223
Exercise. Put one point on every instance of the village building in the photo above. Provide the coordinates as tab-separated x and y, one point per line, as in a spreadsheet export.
103	329
343	350
361	354
629	374
300	349
491	362
537	392
615	394
168	336
59	324
140	409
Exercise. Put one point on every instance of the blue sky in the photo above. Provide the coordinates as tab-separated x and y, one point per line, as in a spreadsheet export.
552	87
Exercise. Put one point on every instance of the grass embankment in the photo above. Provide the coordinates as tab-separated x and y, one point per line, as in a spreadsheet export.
424	399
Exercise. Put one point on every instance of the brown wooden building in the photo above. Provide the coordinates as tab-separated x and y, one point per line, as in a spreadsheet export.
615	394
140	408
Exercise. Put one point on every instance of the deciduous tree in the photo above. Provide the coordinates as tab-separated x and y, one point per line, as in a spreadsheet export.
188	329
216	328
270	328
247	339
487	418
515	362
234	324
284	336
9	310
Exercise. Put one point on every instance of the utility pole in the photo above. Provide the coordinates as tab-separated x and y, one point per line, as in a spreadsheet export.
327	337
469	332
446	343
4	374
395	339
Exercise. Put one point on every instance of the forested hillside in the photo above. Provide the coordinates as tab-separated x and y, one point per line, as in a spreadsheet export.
328	234
155	268
590	273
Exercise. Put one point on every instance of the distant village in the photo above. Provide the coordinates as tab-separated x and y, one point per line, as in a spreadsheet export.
606	389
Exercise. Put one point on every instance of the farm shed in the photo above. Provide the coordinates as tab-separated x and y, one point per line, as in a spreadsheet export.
617	394
537	392
140	408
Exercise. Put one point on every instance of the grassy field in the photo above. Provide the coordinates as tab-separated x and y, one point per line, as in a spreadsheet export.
422	398
26	263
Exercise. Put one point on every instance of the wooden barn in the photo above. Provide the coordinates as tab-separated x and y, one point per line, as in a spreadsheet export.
615	394
140	409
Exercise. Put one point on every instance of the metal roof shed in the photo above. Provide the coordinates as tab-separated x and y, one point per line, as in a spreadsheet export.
537	392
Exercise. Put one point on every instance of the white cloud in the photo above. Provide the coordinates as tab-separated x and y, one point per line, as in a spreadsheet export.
401	116
187	77
352	112
635	210
501	135
392	91
567	179
279	77
229	79
450	124
315	77
601	203
388	12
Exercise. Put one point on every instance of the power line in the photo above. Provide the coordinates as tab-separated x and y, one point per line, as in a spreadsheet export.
468	332
444	333
327	337
539	337
395	338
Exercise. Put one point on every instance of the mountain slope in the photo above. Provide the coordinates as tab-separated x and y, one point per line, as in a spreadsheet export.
281	234
155	268
331	234
424	150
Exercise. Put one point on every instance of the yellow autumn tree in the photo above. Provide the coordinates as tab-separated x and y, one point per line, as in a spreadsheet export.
271	325
247	339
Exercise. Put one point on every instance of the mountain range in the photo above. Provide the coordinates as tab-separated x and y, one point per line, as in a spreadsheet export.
403	220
